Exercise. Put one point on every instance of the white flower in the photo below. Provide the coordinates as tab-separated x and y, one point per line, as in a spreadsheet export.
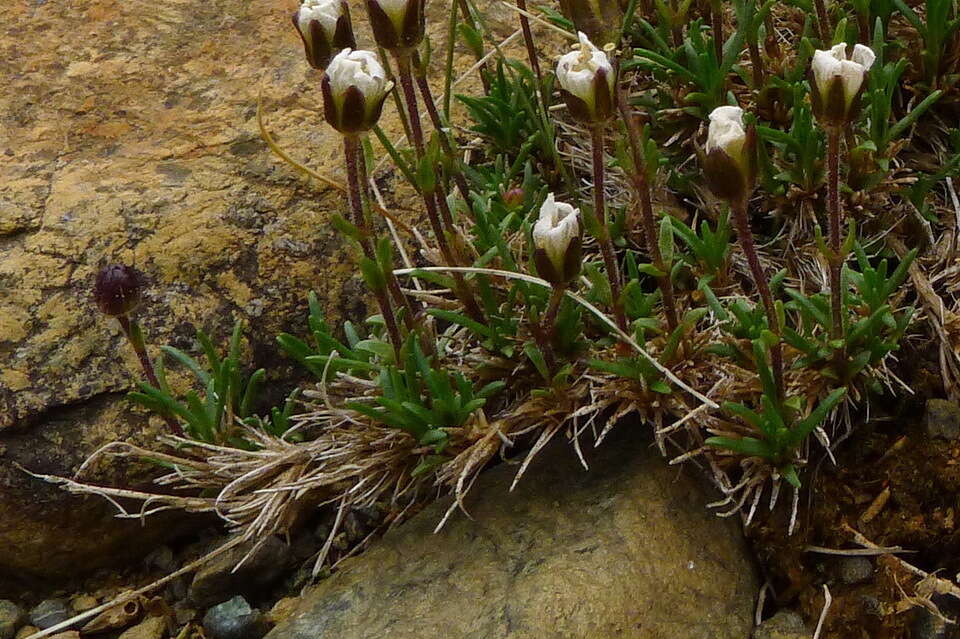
834	65
359	69
577	70
326	12
729	164
726	131
555	230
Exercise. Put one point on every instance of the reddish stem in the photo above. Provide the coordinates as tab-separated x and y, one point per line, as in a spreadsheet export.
606	244
745	238
147	365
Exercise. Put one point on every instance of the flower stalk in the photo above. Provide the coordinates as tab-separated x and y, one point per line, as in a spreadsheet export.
730	169
603	231
117	292
351	148
647	221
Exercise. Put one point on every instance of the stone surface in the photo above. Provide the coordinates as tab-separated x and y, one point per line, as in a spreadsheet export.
783	625
943	419
854	570
151	628
130	135
234	619
50	612
222	579
11	617
625	550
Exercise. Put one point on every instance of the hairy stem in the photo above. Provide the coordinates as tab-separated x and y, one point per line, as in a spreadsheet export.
716	26
445	142
603	232
745	238
399	298
351	147
823	21
647	221
528	41
135	337
834	213
432	197
548	326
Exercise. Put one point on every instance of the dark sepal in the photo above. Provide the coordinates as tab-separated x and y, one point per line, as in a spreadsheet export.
375	110
723	175
343	36
331	112
751	167
383	30
572	260
835	103
816	100
353	113
605	101
578	108
545	267
414	24
320	52
856	105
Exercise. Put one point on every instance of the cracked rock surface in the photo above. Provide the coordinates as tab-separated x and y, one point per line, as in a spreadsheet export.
129	134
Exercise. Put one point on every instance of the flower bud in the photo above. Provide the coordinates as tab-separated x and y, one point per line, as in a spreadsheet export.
514	198
837	82
556	241
397	24
354	89
601	20
730	159
117	289
587	82
325	28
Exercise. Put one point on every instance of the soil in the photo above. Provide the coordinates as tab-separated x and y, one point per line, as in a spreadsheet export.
895	485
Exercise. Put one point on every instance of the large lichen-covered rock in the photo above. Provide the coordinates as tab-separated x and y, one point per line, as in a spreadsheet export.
129	134
624	550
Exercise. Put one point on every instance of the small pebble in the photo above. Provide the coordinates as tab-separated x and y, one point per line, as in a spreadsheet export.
26	631
943	419
11	616
162	559
152	628
70	634
83	603
855	570
234	619
49	613
783	625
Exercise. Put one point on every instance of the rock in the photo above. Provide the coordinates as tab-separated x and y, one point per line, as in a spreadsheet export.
783	625
627	549
162	559
50	612
854	570
70	634
11	616
234	619
220	579
26	631
83	603
927	625
144	158
282	609
943	419
152	628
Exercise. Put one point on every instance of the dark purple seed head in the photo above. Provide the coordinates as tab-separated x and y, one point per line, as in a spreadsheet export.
118	289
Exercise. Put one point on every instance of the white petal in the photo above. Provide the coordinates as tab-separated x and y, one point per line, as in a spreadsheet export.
326	12
576	70
558	225
863	55
395	9
825	66
726	130
360	69
852	75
